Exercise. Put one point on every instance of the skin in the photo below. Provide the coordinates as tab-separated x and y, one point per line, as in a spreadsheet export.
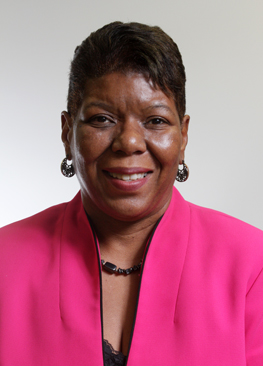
124	125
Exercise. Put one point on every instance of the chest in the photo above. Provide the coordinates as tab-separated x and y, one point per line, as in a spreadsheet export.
119	300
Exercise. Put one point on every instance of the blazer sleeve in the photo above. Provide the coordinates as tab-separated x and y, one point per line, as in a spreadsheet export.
254	323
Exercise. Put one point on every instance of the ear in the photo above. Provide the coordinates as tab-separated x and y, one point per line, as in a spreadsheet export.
66	134
184	133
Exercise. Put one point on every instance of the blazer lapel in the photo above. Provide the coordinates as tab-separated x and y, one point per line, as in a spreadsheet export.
80	293
154	330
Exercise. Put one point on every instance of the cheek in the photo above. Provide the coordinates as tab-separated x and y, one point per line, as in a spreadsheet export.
88	145
166	149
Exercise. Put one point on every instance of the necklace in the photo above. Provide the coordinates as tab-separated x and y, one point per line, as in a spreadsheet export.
112	268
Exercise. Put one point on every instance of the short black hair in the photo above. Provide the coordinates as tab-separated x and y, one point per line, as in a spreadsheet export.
123	47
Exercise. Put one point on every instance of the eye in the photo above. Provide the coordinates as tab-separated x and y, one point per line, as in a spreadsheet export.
156	122
100	121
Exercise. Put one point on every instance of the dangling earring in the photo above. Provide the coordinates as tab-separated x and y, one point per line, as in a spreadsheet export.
67	169
182	174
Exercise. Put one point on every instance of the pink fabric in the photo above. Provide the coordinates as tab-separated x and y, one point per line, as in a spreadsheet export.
200	301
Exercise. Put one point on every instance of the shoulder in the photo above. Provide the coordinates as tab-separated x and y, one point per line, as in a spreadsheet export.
220	224
227	240
36	235
30	249
41	223
30	245
27	246
212	223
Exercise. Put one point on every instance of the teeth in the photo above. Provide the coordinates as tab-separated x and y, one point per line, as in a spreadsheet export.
128	177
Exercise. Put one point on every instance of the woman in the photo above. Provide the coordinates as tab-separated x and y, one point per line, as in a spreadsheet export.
128	272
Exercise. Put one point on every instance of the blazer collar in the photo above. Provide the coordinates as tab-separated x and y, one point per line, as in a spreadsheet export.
80	281
160	283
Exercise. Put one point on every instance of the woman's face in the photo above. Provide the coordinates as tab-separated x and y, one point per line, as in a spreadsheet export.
125	142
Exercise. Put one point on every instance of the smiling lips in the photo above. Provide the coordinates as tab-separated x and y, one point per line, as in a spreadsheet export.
128	177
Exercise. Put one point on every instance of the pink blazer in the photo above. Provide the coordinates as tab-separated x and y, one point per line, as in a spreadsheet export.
200	301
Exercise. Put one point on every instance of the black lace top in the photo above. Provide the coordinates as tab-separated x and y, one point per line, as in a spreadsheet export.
112	357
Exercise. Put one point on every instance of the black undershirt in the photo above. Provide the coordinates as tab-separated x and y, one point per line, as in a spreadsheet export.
112	357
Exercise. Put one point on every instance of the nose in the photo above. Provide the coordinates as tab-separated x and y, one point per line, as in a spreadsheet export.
130	138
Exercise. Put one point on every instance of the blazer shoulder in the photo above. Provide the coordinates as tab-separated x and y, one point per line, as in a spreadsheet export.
224	231
221	220
231	242
33	244
42	223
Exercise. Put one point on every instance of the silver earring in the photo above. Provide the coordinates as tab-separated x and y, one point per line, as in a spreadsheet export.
182	174
67	169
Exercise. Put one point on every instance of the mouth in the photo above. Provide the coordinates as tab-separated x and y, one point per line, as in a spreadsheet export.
128	177
127	180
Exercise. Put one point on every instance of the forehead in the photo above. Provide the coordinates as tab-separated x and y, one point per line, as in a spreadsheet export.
127	90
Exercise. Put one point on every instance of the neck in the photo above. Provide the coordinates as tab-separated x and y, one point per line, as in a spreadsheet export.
122	242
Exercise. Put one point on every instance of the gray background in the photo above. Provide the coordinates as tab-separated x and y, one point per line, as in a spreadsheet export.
222	48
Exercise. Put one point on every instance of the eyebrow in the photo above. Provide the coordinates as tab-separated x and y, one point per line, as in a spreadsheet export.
110	108
98	104
159	105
